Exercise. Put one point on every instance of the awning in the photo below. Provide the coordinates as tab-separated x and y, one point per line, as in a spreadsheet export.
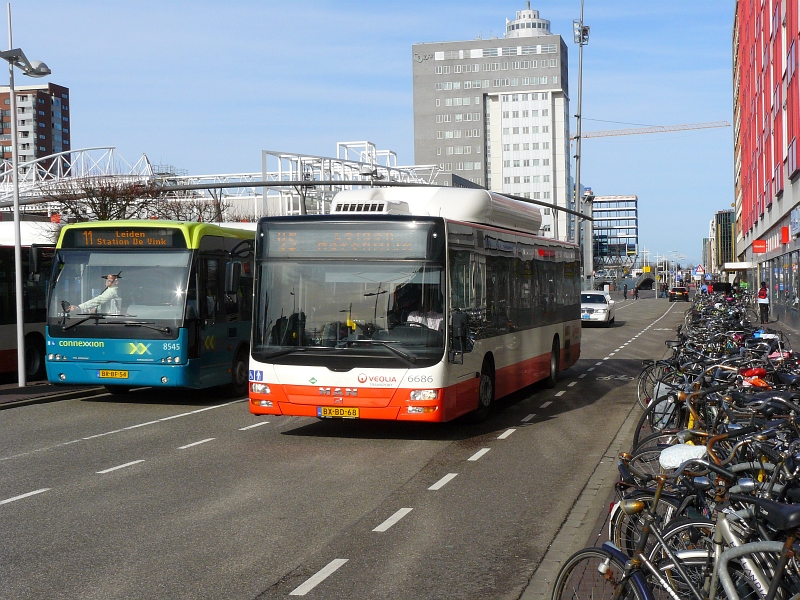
738	266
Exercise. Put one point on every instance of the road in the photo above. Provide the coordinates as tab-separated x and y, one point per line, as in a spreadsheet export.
187	495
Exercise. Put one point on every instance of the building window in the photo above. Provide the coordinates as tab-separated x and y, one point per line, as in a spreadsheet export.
506	179
438	102
516	163
546	195
545	145
516	180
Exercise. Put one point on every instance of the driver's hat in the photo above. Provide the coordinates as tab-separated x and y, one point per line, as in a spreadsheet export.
117	276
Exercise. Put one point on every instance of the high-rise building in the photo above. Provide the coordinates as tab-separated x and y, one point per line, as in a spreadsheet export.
723	239
496	112
43	122
616	230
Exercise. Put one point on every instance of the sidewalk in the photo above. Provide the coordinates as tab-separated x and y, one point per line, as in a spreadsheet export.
41	391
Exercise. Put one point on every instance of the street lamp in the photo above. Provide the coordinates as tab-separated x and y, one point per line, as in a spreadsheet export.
32	68
581	37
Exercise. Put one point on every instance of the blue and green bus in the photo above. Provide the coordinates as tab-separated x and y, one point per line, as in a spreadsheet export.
150	303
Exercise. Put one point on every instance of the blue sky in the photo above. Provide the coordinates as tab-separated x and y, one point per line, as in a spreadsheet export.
205	86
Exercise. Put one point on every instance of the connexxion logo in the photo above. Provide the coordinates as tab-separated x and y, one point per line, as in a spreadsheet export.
81	343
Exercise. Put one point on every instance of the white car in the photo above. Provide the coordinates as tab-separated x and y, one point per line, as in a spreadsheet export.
597	307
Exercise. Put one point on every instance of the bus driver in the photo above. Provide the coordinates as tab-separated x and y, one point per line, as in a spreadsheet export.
108	298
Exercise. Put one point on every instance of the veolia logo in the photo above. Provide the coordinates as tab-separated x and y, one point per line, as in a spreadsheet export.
362	378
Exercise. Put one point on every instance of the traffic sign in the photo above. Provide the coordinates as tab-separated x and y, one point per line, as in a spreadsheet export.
700	270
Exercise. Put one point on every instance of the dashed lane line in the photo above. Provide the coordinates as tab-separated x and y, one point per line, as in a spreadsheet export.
122	429
548	403
561	393
479	453
572	383
528	418
582	375
393	519
253	426
506	433
196	443
118	467
22	496
443	481
592	368
318	577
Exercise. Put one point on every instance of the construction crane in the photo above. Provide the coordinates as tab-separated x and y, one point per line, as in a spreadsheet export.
656	129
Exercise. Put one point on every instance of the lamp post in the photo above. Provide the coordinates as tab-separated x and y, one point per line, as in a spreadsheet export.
16	58
581	37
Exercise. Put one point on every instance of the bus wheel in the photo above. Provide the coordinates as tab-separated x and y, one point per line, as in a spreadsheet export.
34	358
117	390
552	379
239	375
485	395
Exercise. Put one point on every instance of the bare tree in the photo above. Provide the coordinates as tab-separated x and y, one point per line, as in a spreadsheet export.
192	209
104	198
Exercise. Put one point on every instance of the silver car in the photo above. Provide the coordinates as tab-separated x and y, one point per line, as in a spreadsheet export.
597	307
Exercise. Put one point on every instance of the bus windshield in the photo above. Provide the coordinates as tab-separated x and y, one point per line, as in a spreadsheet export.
140	288
366	309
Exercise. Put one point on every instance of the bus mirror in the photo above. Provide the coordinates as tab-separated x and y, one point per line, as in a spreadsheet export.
35	260
458	343
233	271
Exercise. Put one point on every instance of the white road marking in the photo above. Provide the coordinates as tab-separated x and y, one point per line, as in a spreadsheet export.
597	364
610	354
572	383
561	393
591	368
319	577
606	358
506	433
478	454
546	404
21	496
195	443
528	418
582	375
443	481
393	519
140	425
252	426
135	462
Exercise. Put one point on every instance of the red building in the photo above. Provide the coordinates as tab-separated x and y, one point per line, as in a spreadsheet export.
766	99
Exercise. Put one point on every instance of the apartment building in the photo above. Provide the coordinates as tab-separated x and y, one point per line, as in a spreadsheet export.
43	121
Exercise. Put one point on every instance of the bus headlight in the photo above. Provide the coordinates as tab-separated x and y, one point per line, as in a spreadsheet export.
51	356
424	395
259	388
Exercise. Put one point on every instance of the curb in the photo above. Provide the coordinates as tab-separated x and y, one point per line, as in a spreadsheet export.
580	525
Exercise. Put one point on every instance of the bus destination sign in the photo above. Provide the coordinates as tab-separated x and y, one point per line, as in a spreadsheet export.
124	238
407	242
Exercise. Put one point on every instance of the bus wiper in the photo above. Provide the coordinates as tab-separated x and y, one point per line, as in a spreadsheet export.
86	317
386	344
148	325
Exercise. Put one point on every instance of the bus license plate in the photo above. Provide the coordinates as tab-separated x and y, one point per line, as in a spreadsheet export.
337	412
113	374
586	317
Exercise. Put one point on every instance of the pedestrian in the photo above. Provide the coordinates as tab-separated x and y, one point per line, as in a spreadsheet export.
763	303
636	292
625	291
704	289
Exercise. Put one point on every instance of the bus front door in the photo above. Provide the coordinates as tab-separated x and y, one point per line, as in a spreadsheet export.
216	351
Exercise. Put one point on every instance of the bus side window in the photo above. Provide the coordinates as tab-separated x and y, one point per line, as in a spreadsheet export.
209	301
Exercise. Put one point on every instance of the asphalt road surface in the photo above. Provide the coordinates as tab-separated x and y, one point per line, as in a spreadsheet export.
187	495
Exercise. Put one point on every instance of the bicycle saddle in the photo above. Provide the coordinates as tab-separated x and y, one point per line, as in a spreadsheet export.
780	516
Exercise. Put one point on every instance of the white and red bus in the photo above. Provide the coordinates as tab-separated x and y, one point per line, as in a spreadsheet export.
419	304
38	248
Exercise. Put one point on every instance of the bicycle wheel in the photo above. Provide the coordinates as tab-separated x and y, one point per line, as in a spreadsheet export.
625	530
647	382
655	441
661	414
592	574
